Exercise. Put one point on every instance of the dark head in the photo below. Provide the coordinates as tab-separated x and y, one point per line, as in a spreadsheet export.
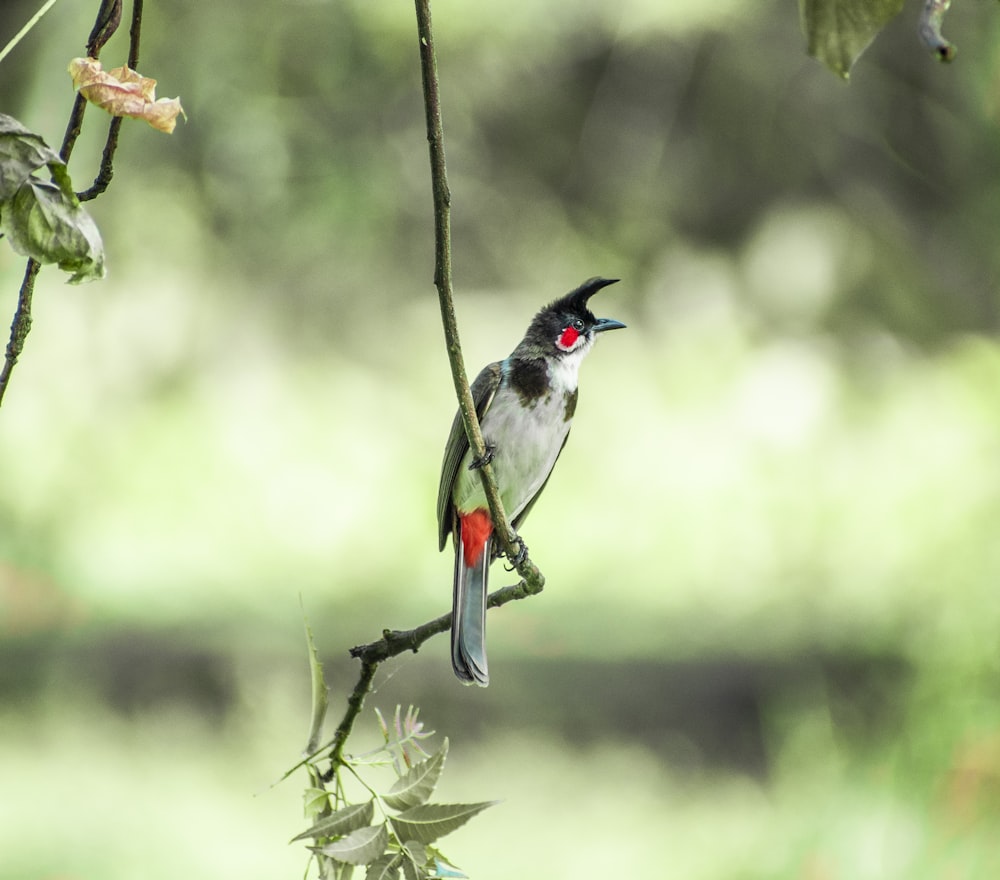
567	325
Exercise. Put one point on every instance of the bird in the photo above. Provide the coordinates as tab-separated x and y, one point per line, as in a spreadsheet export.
525	405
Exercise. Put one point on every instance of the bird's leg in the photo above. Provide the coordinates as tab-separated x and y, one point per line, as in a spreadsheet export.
485	458
520	556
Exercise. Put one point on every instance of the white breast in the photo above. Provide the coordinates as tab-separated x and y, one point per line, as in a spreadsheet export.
527	440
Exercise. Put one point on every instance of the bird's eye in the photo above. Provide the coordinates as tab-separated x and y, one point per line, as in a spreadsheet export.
578	325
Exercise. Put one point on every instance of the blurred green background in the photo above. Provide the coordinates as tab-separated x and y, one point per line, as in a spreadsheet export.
768	646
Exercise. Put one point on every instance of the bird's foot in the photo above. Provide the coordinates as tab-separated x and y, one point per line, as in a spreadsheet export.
485	458
520	556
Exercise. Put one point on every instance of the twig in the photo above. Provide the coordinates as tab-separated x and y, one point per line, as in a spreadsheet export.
21	34
106	23
109	16
443	282
106	172
354	703
395	642
20	326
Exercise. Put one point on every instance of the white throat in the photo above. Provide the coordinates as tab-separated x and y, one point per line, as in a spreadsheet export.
563	371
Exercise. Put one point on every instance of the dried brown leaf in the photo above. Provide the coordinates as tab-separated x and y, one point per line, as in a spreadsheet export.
123	92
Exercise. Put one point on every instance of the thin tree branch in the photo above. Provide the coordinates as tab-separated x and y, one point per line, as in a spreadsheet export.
21	34
20	326
109	16
107	21
106	172
394	642
443	281
73	127
134	33
354	704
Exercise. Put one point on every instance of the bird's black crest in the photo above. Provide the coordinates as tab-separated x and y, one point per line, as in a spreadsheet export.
576	300
541	339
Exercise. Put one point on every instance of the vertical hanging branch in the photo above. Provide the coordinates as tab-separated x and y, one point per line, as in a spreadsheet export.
106	23
442	280
20	325
394	642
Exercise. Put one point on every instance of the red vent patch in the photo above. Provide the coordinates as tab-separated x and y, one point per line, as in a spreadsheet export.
476	528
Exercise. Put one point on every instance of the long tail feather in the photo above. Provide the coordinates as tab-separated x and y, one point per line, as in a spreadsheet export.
468	615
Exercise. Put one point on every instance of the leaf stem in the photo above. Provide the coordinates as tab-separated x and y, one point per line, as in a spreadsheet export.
21	34
376	797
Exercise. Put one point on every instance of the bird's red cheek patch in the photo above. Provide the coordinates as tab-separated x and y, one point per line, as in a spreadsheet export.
568	338
476	528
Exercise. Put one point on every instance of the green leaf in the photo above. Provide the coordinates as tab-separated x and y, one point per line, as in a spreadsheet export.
343	821
412	872
22	153
416	851
316	800
444	869
320	695
838	31
385	867
417	784
428	822
46	224
414	860
43	220
359	847
442	866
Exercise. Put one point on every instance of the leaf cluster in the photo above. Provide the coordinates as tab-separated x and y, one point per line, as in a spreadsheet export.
44	220
345	835
401	843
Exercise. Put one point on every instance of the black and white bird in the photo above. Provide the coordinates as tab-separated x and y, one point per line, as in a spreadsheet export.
525	406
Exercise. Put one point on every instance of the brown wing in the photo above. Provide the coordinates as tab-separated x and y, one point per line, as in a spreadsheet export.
483	390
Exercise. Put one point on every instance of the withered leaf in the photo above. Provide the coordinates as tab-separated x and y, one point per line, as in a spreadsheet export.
123	92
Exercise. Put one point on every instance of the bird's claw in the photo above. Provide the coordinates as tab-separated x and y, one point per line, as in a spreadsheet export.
520	556
483	459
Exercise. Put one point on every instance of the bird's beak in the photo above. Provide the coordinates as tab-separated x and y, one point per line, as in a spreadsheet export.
607	324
